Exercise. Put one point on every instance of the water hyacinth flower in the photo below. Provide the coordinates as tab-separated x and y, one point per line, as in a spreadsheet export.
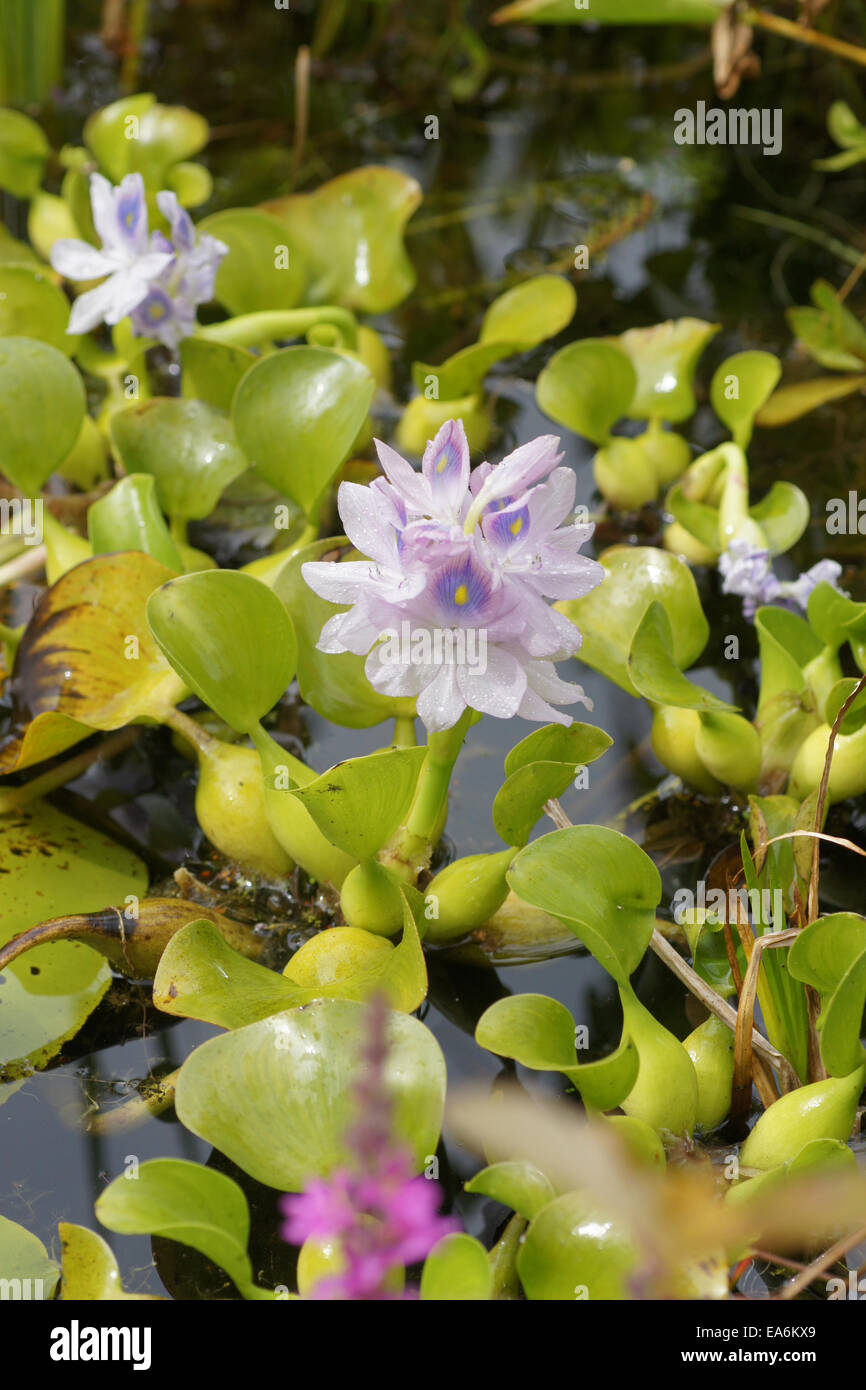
462	561
157	280
384	1217
747	571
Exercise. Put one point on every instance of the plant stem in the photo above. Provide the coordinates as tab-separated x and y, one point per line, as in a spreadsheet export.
30	561
433	783
247	330
774	24
404	731
136	1111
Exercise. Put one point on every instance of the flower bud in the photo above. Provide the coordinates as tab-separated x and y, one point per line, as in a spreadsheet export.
336	954
370	899
465	894
625	475
711	1048
665	1094
824	1110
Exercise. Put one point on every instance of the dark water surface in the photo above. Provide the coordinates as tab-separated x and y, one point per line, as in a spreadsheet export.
569	134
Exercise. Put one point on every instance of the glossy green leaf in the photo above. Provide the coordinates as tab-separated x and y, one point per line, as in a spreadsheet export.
350	233
229	638
187	446
87	659
700	520
24	151
276	1097
599	884
261	270
530	312
587	386
517	1184
128	518
830	955
15	252
186	1202
200	976
740	387
24	1258
89	1272
42	406
31	306
462	374
654	672
829	331
783	516
844	126
833	616
539	1033
52	866
359	804
540	767
457	1270
792	402
610	12
665	358
210	371
611	613
334	685
139	135
296	415
573	1250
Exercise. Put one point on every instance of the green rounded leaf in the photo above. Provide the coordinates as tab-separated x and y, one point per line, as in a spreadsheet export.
296	415
457	1270
31	306
24	151
186	1202
741	385
792	402
587	386
187	446
200	976
539	1033
540	767
609	616
23	1257
600	885
139	135
359	804
530	312
783	516
277	1096
128	518
665	358
42	407
830	955
210	372
654	672
52	866
517	1184
261	271
350	233
230	640
89	1272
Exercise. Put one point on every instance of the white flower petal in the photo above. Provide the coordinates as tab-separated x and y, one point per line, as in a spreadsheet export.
78	260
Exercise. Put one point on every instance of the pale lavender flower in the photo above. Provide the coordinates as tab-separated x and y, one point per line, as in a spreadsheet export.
168	312
383	1216
157	281
466	554
747	571
126	255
